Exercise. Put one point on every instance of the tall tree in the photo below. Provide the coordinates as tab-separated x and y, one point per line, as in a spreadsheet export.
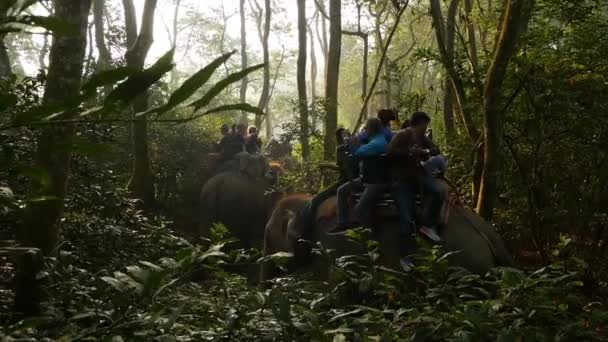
516	16
244	63
141	183
264	33
313	64
383	56
448	96
321	31
332	77
53	154
5	62
364	72
105	58
301	76
381	16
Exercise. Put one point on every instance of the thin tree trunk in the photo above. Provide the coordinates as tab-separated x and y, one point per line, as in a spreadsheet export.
333	76
380	64
142	182
322	33
516	16
301	75
105	58
5	61
264	99
244	62
450	67
472	46
313	75
364	67
269	116
448	97
43	52
173	74
53	154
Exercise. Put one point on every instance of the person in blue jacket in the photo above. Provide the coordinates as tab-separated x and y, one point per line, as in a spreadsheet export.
373	179
385	116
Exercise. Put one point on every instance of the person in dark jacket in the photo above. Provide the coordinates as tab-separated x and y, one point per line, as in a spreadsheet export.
373	183
253	143
407	150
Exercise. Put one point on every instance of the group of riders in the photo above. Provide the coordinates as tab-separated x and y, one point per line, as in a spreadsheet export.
374	162
402	163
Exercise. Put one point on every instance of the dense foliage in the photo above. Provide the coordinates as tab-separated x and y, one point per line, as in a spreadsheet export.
124	271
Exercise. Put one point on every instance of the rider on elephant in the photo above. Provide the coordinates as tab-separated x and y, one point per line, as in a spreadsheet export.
385	116
374	176
407	149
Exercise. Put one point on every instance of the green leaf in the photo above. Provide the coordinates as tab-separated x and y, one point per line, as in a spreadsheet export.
244	107
221	85
107	77
140	81
194	83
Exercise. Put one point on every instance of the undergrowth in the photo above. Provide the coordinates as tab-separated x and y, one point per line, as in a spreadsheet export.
129	279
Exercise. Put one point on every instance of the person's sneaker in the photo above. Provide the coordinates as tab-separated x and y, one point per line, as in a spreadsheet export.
406	264
430	233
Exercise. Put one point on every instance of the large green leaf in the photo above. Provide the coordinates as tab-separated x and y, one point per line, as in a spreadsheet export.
139	82
194	83
221	85
243	107
106	77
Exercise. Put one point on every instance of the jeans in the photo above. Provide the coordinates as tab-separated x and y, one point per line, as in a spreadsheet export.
403	193
369	198
372	193
431	191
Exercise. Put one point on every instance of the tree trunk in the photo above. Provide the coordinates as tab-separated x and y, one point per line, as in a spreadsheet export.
244	62
516	16
5	61
448	96
322	33
141	183
450	67
53	154
380	65
472	46
332	78
105	58
364	67
313	75
301	75
264	98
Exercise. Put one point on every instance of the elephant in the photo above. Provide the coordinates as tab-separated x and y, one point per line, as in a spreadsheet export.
477	245
240	198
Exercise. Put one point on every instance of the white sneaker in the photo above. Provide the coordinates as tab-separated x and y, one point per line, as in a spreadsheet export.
406	264
430	233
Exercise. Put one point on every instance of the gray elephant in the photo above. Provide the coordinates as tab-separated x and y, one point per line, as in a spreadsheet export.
240	198
479	248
